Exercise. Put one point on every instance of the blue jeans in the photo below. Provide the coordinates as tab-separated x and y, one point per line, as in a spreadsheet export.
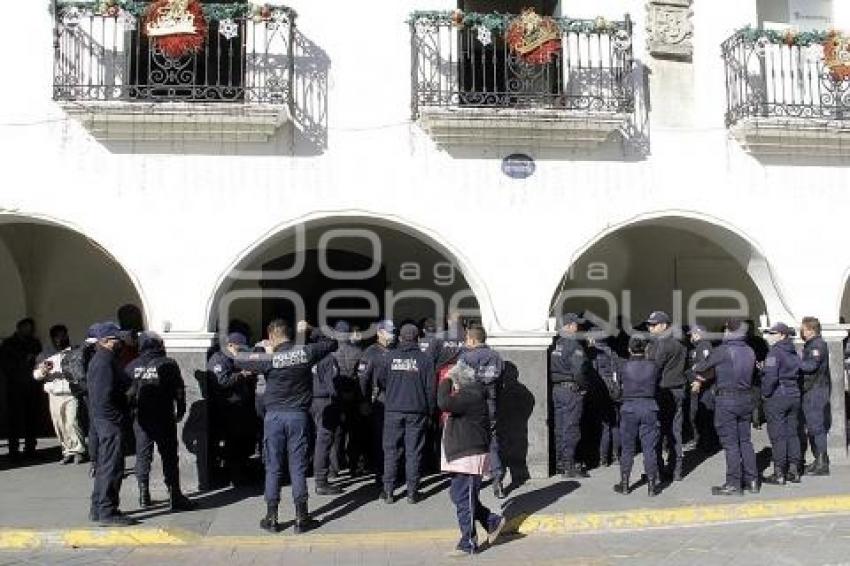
464	492
286	439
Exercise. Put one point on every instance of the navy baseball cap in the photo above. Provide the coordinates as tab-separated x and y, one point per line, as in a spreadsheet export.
697	329
237	338
386	326
409	333
658	317
103	330
571	318
781	328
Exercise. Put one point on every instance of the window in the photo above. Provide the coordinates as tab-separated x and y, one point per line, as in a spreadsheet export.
804	15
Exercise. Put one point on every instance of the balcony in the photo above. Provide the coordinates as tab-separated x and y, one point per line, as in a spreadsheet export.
229	77
788	93
476	78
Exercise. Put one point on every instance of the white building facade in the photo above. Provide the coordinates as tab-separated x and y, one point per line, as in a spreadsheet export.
662	170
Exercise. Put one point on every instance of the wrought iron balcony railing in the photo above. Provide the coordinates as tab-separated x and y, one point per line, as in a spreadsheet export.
483	60
106	51
787	75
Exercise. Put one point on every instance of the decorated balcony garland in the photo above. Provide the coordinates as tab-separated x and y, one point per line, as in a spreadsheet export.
534	39
138	9
832	47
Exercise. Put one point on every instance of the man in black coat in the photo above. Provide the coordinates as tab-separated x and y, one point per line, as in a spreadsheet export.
107	387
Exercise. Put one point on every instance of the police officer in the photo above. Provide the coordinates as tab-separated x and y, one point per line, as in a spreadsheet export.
409	383
489	367
235	392
568	369
700	403
733	363
816	391
326	413
780	387
639	415
670	355
287	365
107	387
452	342
604	363
369	373
354	438
159	399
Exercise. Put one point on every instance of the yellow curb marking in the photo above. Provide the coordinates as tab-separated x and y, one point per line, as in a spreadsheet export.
561	524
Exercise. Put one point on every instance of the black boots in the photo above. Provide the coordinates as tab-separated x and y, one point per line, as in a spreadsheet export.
726	489
324	488
498	489
269	522
623	486
820	467
652	487
144	495
303	522
778	478
177	501
753	486
793	474
574	471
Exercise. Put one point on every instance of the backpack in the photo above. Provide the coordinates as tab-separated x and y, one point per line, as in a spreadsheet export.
75	364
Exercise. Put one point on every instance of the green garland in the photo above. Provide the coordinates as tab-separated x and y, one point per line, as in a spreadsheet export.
790	37
497	22
137	8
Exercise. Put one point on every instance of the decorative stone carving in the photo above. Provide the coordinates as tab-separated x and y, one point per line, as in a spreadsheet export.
669	29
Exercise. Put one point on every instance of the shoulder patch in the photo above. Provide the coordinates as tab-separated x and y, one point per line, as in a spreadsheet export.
816	352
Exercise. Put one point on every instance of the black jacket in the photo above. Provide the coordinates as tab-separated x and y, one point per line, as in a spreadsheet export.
157	387
670	356
467	430
107	386
568	362
815	364
409	380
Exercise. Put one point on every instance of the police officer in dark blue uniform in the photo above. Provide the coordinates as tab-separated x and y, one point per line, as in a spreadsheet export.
107	389
287	365
326	414
235	392
700	403
816	391
159	399
409	383
670	355
568	369
639	415
354	436
369	374
780	387
604	363
452	342
733	363
489	367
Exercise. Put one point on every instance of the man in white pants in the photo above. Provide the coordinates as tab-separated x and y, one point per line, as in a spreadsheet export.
63	403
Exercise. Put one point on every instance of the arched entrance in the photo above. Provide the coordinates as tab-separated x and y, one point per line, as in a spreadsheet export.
697	271
352	267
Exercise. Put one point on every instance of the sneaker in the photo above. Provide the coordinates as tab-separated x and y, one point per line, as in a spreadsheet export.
496	530
413	497
386	497
461	553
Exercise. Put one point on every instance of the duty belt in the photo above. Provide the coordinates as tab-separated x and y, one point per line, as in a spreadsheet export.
733	392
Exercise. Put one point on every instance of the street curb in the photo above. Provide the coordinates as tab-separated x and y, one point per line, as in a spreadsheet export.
526	525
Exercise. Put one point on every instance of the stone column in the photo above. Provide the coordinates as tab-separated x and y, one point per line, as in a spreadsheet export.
837	440
189	350
524	405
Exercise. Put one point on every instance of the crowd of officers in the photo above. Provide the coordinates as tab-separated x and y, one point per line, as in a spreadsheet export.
321	398
650	391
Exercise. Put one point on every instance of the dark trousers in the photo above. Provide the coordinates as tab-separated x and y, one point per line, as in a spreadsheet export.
816	413
240	435
163	433
403	432
671	404
782	413
376	423
286	439
639	421
610	439
354	435
326	417
568	403
464	491
733	421
496	469
109	470
23	408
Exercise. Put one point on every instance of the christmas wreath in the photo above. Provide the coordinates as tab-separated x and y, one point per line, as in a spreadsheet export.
836	55
176	27
533	38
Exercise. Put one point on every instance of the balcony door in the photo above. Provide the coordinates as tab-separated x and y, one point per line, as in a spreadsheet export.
490	75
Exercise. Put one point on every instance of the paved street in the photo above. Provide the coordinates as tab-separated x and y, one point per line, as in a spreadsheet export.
798	542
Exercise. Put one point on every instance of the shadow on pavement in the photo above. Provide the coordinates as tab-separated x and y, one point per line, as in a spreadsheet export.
518	508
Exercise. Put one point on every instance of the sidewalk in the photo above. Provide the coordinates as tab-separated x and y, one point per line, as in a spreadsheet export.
47	504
